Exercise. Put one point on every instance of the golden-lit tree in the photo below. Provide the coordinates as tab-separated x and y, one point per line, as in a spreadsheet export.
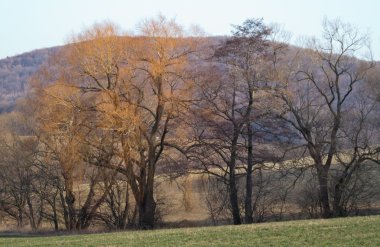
62	128
130	88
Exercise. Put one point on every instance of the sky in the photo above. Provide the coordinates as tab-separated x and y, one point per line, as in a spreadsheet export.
27	25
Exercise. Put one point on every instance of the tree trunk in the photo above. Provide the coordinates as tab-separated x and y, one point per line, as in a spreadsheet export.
147	210
82	221
122	220
338	210
20	218
64	208
234	200
147	207
323	191
55	216
232	183
32	219
70	199
249	180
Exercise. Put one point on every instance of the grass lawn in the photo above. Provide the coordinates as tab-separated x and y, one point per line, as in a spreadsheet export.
357	231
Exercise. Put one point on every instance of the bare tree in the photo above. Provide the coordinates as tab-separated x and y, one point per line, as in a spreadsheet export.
232	102
19	197
319	100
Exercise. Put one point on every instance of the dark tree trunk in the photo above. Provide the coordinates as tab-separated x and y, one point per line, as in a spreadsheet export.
337	207
56	228
64	208
55	216
338	210
232	183
323	191
147	210
249	180
147	207
82	221
70	199
234	200
32	219
20	218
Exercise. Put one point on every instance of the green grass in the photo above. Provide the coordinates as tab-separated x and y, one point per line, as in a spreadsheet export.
358	231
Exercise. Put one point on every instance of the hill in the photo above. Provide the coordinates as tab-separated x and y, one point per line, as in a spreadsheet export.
358	231
15	72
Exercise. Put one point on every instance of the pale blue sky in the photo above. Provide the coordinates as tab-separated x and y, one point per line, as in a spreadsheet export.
26	25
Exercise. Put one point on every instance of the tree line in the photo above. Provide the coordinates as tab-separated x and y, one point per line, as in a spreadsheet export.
111	111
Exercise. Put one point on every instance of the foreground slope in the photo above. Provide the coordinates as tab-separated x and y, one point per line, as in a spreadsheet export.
357	231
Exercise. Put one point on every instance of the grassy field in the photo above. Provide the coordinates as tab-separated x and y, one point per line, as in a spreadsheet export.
358	231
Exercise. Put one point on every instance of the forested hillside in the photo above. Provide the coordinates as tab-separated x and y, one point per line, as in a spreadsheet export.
15	72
